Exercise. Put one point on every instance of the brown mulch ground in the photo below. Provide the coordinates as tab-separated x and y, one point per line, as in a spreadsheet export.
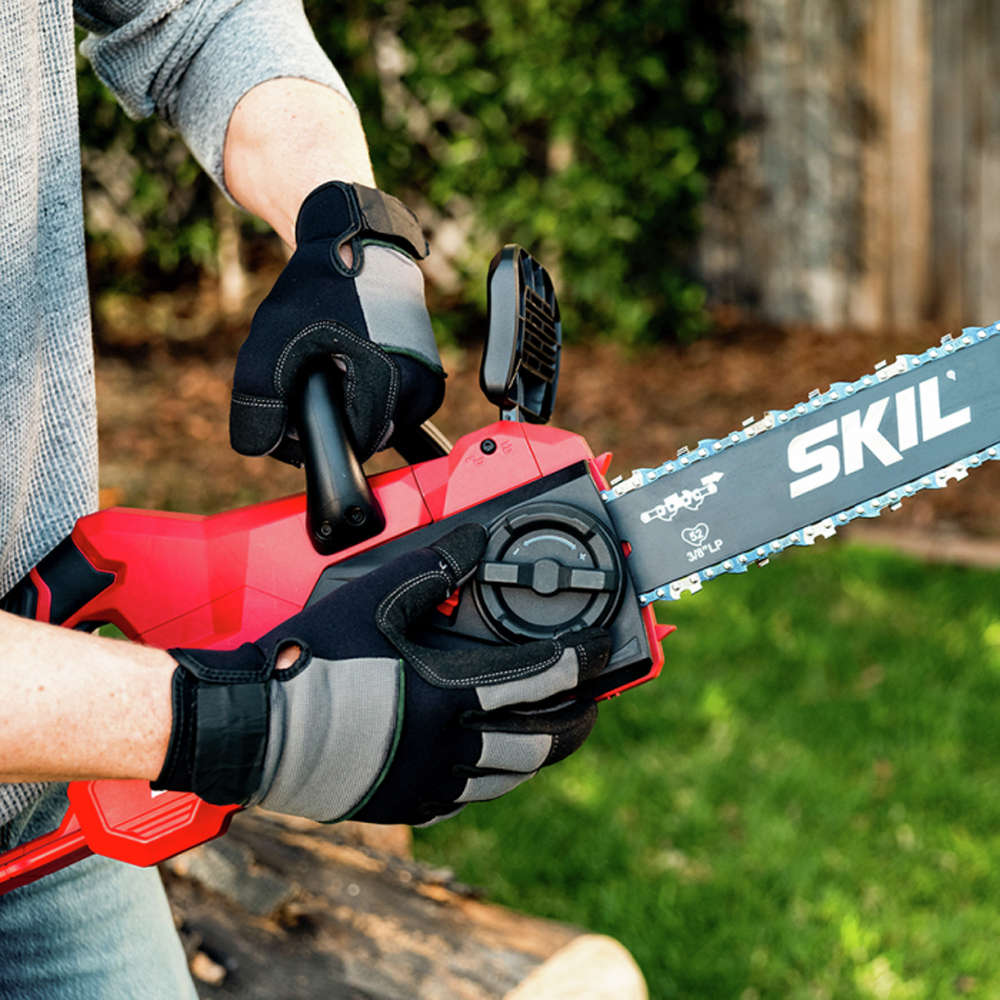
164	432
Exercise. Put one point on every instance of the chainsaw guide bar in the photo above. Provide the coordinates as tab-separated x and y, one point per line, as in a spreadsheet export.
800	474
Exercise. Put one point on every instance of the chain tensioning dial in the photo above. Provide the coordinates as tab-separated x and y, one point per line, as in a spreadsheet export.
549	568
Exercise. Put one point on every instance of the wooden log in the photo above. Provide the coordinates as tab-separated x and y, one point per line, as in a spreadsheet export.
286	908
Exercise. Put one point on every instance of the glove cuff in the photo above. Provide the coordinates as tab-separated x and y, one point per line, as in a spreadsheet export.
178	765
351	213
218	736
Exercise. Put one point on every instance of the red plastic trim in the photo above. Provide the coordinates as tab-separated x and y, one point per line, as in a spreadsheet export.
44	855
43	610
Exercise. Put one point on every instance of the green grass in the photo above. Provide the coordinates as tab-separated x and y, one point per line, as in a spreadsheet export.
805	804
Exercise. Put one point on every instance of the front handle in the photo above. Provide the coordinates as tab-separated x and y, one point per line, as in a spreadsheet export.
340	508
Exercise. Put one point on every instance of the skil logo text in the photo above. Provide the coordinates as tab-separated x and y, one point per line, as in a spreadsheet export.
861	430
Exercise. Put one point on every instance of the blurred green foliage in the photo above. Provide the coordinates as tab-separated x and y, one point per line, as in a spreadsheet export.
149	206
587	131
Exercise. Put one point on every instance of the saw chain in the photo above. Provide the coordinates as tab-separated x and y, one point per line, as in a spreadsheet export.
798	475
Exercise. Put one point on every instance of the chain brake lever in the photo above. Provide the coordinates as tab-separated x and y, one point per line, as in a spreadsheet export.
520	367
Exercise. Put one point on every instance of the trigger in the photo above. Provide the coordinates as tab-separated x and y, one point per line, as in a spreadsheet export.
449	605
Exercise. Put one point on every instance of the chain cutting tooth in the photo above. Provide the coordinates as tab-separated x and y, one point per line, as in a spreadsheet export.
898	367
821	529
956	471
619	486
765	423
689	585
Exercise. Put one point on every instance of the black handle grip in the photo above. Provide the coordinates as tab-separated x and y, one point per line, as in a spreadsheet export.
340	508
71	580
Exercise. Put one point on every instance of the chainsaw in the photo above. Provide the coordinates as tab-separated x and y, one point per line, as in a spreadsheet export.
566	549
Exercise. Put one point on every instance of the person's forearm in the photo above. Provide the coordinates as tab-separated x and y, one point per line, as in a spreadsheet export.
74	705
285	138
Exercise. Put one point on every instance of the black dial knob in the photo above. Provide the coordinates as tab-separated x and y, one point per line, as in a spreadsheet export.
548	568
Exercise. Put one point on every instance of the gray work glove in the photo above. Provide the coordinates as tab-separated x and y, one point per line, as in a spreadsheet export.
369	724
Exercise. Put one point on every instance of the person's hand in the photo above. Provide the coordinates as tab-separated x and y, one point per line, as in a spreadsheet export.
369	724
351	292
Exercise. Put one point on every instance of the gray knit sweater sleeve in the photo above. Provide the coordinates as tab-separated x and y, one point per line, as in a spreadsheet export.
190	61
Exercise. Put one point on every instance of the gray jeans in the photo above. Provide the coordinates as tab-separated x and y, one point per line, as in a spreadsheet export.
96	930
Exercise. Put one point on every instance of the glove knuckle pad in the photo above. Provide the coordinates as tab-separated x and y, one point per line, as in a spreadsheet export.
523	752
491	786
533	681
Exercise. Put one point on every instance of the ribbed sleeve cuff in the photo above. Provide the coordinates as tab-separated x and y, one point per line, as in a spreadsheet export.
256	41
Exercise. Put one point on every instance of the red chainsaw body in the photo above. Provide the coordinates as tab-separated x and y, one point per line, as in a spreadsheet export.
220	580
